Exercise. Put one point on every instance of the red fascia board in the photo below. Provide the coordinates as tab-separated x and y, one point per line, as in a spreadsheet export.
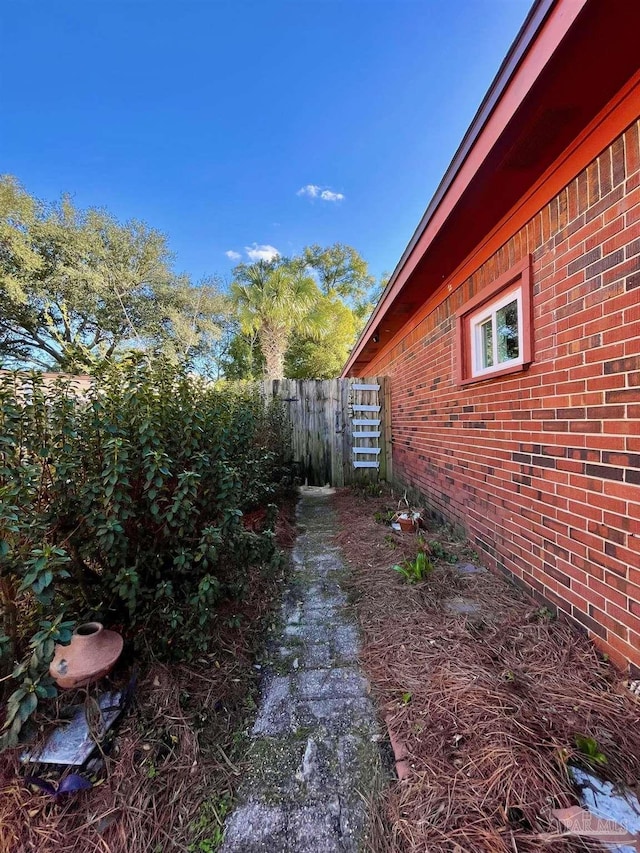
542	46
618	114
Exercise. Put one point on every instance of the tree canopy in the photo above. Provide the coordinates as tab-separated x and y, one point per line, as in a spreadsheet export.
323	356
340	269
274	299
321	328
79	286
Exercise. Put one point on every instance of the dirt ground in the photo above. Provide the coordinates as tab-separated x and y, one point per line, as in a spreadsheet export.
488	694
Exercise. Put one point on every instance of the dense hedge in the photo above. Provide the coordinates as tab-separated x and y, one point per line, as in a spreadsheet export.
125	503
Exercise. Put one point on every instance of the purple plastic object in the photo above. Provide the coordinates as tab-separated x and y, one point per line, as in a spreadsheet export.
71	784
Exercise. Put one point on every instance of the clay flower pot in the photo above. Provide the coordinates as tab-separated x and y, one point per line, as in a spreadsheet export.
406	523
90	655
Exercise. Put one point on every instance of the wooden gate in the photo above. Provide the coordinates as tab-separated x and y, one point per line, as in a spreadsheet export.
341	428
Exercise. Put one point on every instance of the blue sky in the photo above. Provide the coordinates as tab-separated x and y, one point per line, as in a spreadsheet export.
207	118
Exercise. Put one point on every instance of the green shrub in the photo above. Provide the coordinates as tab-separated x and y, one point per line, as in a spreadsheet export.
126	504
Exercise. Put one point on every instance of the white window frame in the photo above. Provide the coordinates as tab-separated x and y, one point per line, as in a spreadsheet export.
489	311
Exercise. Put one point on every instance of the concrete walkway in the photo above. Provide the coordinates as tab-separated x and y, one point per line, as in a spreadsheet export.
314	757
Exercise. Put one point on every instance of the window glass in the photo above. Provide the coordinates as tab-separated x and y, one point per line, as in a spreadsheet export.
496	332
507	331
486	333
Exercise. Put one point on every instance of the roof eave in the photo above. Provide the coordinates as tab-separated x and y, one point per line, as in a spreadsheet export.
521	45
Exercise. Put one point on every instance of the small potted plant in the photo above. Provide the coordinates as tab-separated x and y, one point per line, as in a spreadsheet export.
407	518
406	522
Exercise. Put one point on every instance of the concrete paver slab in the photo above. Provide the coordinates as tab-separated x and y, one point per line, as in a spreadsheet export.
315	753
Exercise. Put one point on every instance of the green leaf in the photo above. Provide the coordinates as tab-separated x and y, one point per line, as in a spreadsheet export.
13	705
46	691
28	579
48	649
28	706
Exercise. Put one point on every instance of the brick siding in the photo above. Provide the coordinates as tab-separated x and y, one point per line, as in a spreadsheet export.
543	467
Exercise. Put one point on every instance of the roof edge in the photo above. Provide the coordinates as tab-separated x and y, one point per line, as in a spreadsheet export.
525	37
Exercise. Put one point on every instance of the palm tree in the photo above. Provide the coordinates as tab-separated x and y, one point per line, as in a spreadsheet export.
273	300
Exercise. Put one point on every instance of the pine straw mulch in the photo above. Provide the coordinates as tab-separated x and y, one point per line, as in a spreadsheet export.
177	758
487	705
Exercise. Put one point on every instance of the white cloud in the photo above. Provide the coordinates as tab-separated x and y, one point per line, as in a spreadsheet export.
311	190
314	191
261	253
233	256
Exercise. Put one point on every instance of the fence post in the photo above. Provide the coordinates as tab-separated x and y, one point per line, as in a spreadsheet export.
386	433
336	425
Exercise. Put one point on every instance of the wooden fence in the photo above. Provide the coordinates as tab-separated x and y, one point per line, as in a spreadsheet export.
341	427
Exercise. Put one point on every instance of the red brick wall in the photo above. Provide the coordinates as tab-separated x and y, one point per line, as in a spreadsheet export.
543	467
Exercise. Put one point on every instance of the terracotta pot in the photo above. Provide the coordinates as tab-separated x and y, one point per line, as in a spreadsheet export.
406	524
90	655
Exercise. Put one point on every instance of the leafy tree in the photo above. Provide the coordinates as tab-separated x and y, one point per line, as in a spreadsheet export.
340	269
323	356
274	299
78	286
341	272
242	358
364	306
347	294
318	356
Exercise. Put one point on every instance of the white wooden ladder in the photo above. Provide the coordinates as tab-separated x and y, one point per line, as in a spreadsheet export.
365	422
